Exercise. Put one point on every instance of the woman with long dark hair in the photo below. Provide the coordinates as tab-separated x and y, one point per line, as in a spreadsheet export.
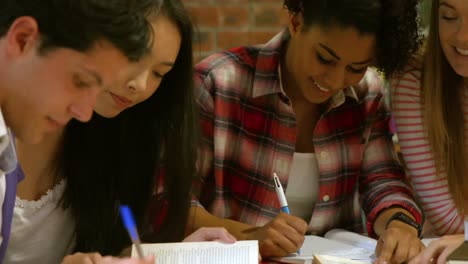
76	179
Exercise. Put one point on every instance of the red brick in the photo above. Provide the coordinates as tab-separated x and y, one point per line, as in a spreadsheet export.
268	15
261	37
206	15
203	41
234	16
228	40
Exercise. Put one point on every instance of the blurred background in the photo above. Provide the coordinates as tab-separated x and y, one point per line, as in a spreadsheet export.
223	24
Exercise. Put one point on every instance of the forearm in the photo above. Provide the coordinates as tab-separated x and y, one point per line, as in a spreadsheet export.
199	217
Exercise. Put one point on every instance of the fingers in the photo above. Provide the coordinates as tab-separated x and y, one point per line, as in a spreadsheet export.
277	235
211	234
440	249
82	258
281	236
388	247
442	259
295	222
415	250
291	228
270	248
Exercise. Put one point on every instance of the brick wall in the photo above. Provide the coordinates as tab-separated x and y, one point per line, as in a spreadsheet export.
222	24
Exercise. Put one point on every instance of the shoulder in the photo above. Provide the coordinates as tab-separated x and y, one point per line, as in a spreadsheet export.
228	64
409	80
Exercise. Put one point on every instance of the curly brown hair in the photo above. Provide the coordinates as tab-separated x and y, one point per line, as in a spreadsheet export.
395	23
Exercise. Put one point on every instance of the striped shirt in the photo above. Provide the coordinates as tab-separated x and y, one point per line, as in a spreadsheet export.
249	132
432	189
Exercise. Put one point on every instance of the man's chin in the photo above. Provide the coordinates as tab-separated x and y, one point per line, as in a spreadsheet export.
30	139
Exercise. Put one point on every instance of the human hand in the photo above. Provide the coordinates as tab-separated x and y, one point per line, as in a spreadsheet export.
439	250
96	258
211	234
398	244
279	237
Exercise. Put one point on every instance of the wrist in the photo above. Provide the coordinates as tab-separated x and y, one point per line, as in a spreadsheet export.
403	221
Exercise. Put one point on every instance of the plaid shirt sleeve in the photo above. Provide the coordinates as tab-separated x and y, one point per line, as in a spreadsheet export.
203	85
383	183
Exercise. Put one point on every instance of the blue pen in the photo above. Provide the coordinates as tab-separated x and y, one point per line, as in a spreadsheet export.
282	198
129	223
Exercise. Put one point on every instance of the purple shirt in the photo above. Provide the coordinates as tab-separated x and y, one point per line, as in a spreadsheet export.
12	180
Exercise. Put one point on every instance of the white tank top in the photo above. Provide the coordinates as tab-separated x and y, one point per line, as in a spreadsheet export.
41	232
303	185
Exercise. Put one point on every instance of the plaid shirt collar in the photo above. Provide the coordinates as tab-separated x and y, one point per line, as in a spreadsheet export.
269	56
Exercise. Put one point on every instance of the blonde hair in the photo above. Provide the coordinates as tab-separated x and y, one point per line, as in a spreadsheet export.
443	113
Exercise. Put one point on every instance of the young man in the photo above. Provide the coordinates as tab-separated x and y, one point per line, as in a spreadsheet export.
55	56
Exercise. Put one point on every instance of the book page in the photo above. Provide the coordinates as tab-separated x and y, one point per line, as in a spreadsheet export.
202	252
315	245
325	259
353	239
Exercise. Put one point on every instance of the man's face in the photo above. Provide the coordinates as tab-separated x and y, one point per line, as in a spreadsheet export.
41	93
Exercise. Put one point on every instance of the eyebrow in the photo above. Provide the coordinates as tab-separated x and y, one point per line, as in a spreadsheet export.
331	52
94	74
446	5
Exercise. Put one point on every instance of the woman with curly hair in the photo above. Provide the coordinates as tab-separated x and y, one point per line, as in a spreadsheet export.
430	101
309	107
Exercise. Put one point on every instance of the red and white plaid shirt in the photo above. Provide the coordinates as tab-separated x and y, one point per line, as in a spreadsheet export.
249	132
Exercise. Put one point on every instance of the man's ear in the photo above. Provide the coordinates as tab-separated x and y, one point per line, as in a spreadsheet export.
296	23
22	36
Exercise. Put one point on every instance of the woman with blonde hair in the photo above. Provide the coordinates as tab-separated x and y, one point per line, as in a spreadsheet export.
430	103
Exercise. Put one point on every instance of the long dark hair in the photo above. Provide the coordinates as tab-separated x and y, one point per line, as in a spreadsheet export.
395	23
108	162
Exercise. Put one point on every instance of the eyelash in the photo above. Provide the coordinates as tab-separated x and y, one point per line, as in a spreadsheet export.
328	62
357	71
324	61
80	83
449	18
158	75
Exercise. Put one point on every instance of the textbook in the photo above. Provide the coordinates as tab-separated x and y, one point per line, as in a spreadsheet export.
338	246
245	252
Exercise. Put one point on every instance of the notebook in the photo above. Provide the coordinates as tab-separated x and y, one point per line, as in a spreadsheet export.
245	252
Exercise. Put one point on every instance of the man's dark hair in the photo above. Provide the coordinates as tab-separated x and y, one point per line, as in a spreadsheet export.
395	23
79	24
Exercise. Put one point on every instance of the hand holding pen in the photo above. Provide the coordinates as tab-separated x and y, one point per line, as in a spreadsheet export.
130	225
282	198
96	258
281	236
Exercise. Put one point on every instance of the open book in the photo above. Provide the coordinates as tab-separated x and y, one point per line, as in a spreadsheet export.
245	252
337	246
